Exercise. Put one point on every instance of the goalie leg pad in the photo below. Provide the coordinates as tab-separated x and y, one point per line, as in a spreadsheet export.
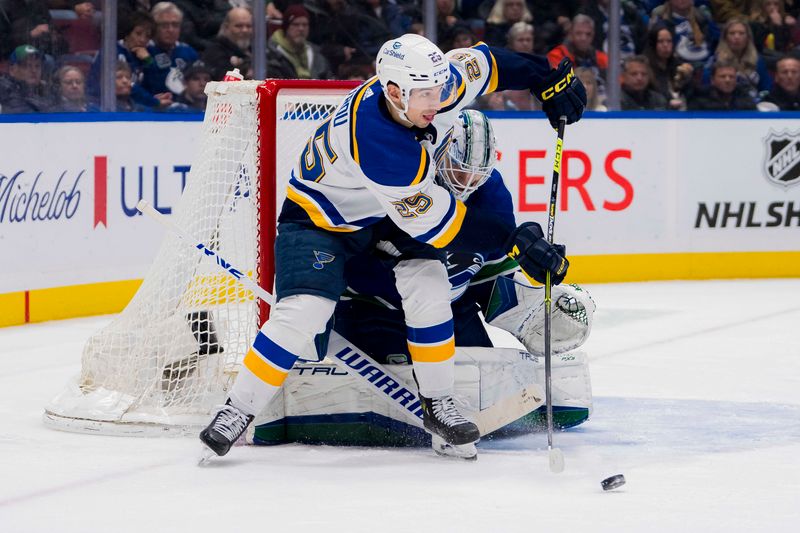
518	308
318	398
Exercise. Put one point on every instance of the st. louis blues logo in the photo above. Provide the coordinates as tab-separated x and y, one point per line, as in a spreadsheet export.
323	258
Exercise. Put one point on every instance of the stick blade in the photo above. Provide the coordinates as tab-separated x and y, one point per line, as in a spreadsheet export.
556	459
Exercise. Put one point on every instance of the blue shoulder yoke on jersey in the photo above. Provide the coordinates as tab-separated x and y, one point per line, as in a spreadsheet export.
513	70
387	152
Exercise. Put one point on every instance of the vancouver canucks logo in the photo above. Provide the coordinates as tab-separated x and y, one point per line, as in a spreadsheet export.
323	258
782	158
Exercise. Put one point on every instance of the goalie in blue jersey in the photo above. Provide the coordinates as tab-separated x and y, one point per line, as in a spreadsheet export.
373	160
370	313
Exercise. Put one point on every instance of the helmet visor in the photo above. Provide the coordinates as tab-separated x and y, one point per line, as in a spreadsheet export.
435	97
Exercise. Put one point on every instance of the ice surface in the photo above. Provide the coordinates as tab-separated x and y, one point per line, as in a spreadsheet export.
697	402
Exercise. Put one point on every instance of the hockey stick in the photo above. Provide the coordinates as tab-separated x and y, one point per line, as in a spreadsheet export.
555	456
360	365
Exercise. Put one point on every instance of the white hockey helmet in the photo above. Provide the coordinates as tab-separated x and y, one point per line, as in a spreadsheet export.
471	155
413	62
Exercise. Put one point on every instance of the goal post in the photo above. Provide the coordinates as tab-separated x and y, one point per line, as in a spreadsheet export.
165	362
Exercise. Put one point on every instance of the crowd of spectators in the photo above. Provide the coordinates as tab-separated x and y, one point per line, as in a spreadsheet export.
676	54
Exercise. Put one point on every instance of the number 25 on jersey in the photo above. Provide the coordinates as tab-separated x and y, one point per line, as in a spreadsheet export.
312	167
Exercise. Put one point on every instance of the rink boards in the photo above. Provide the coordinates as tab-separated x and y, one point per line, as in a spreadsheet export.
642	197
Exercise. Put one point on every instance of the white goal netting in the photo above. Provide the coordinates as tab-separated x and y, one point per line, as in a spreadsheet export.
171	355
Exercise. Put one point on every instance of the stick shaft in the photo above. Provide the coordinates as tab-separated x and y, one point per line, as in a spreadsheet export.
551	223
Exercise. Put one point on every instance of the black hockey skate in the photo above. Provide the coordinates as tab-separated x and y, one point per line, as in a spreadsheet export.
225	429
441	417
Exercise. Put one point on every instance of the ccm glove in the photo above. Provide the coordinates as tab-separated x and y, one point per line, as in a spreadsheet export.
562	93
528	247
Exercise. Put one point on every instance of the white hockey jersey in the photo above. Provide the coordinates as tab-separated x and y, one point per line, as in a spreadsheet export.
360	165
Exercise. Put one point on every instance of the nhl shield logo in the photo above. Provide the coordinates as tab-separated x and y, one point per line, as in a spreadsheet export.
782	158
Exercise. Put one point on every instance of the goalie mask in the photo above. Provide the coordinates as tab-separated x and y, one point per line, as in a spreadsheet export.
471	156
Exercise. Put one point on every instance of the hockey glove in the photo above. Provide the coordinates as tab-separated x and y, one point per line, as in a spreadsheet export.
562	93
535	255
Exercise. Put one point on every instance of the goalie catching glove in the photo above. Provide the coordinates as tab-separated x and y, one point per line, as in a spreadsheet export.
562	93
518	308
528	247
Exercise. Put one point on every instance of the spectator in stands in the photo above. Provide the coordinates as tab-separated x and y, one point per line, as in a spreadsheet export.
552	21
84	9
505	14
388	13
135	31
785	94
290	55
671	77
23	90
202	20
170	56
194	98
28	22
69	84
446	17
736	47
82	32
335	28
637	94
232	48
693	29
724	94
773	30
373	29
520	37
123	86
632	30
460	36
724	10
589	80
579	49
578	46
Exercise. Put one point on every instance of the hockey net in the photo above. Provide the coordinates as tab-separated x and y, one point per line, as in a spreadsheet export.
168	359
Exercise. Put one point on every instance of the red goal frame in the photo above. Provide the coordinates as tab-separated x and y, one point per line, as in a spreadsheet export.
267	94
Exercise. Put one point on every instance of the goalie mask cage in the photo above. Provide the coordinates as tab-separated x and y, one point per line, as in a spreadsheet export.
165	362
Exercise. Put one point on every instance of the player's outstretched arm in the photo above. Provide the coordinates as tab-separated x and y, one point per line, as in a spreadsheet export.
559	90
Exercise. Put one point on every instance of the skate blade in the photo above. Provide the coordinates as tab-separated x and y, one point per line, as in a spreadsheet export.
206	455
465	452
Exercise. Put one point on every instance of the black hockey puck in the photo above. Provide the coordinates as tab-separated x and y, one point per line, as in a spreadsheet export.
613	482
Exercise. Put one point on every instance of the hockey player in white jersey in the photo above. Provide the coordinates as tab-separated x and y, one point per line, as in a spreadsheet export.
373	159
370	316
